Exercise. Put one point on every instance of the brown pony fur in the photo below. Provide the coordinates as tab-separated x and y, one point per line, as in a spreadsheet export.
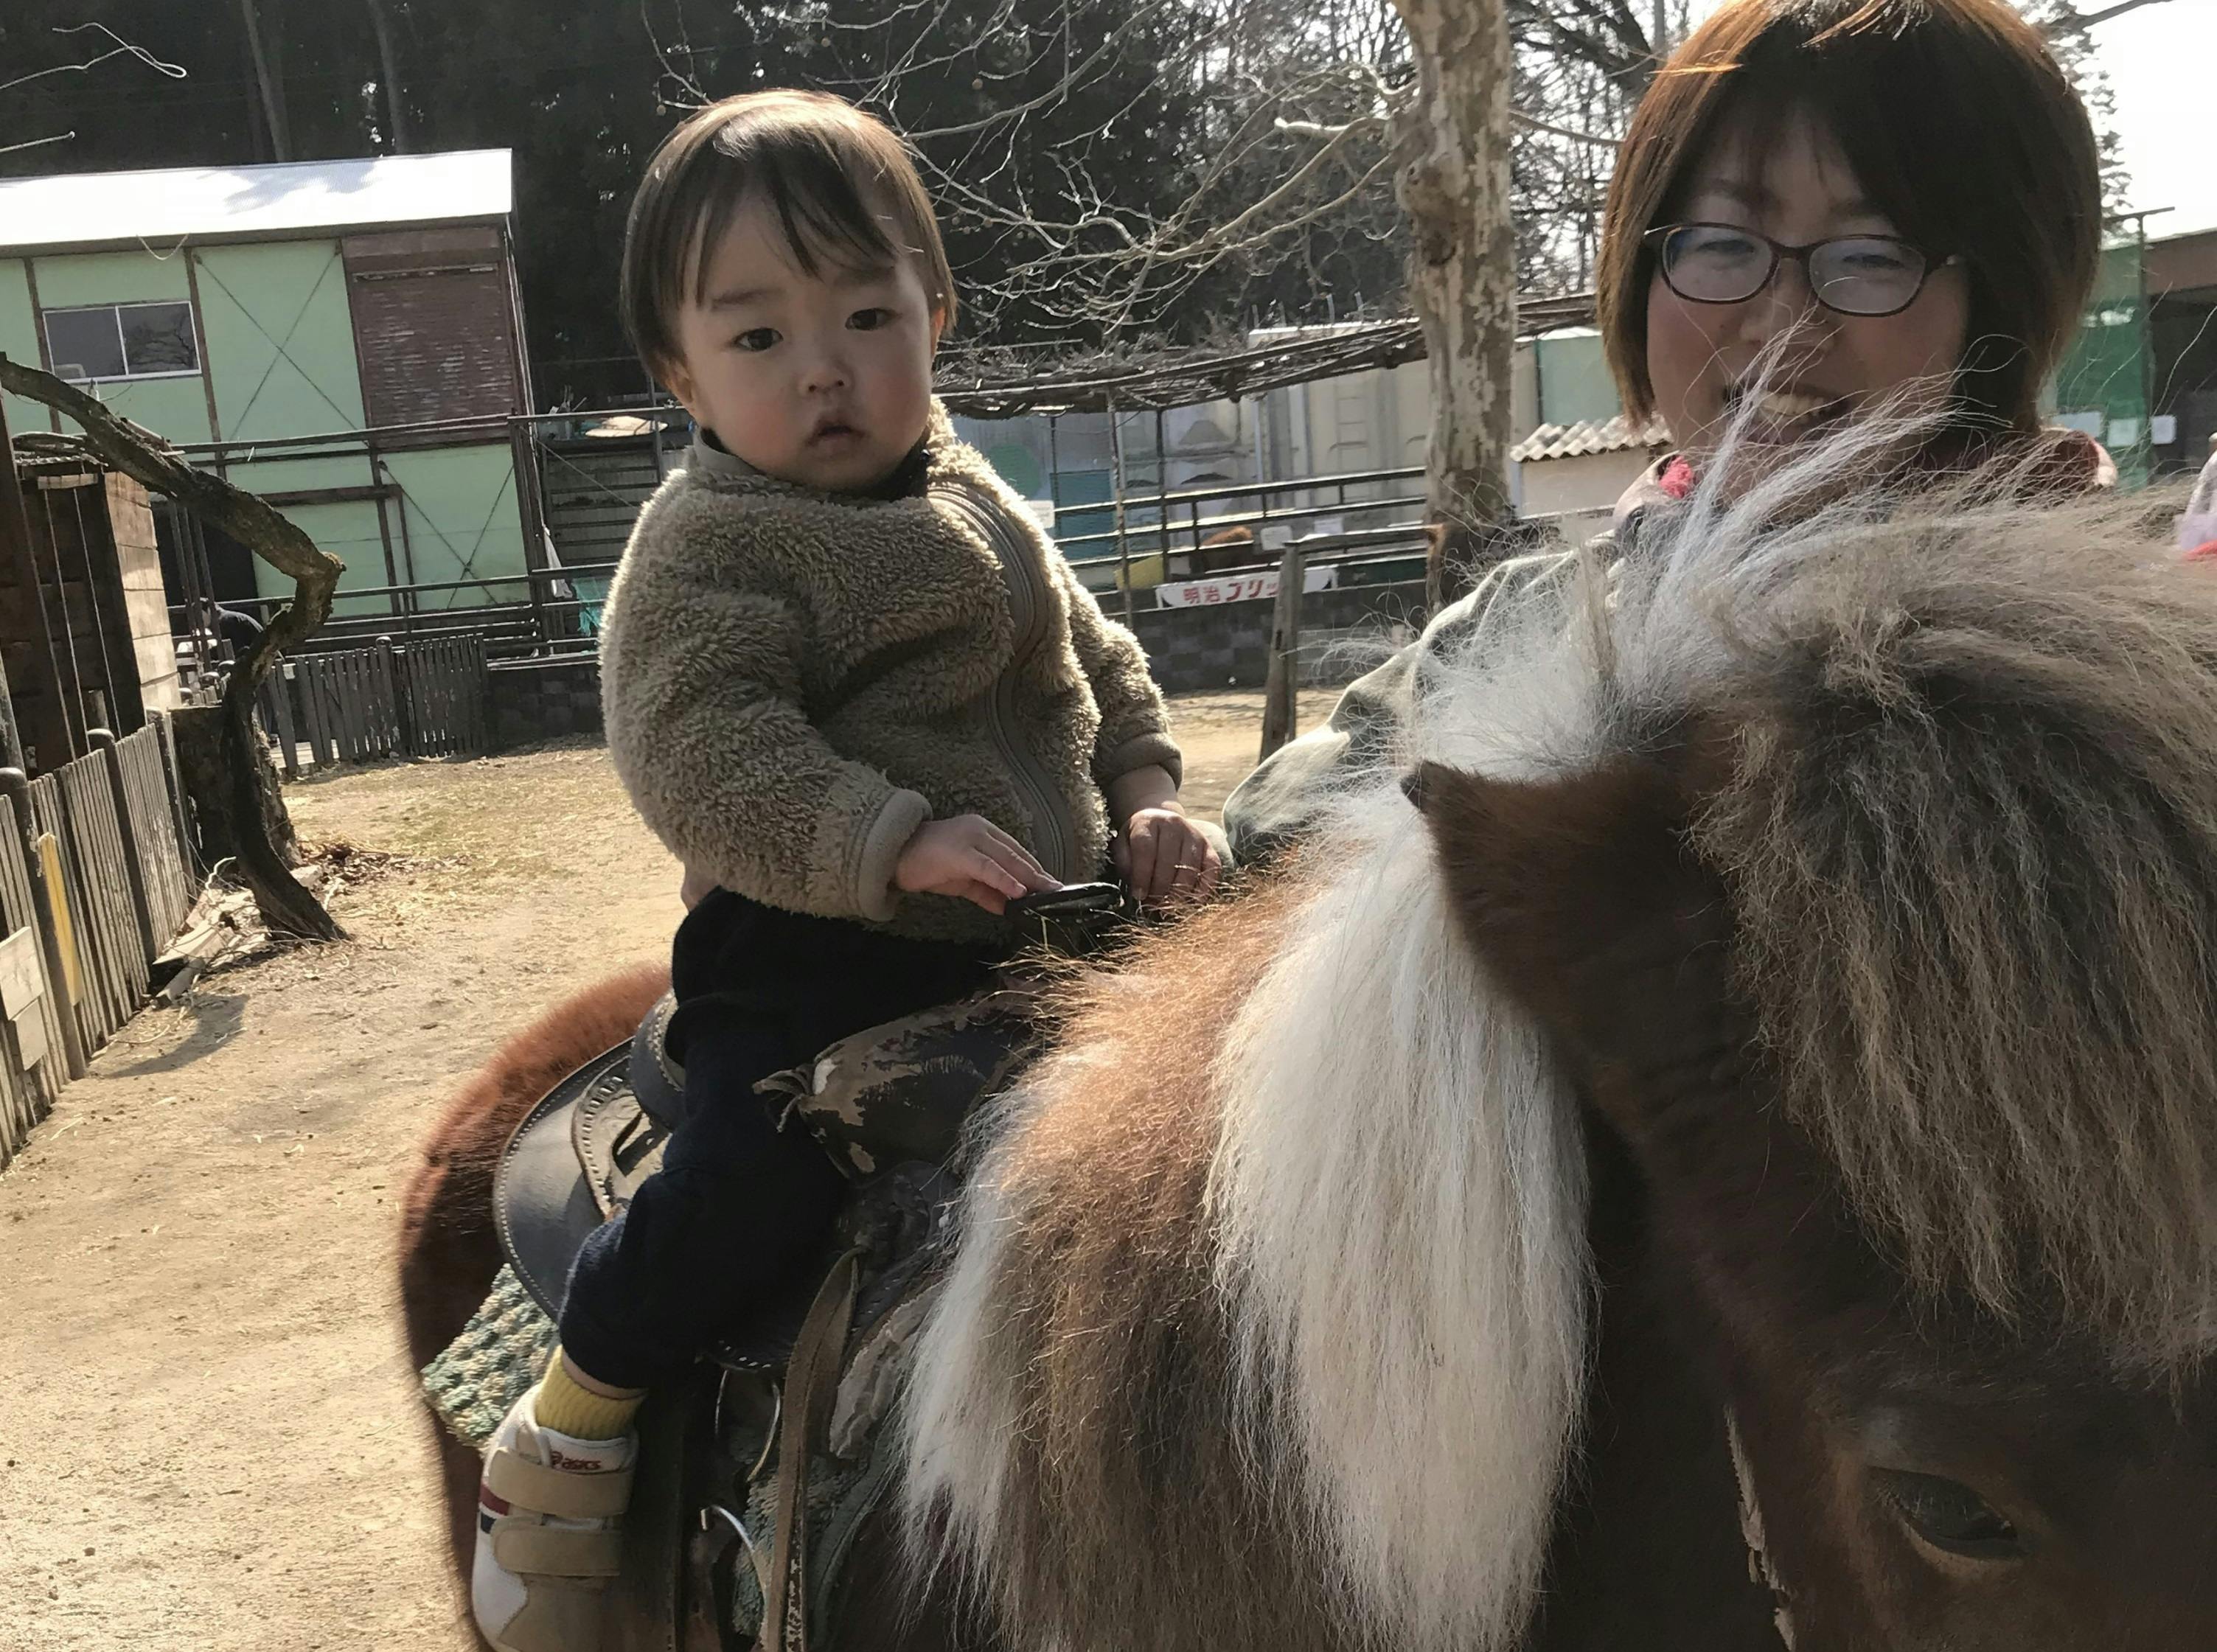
448	1250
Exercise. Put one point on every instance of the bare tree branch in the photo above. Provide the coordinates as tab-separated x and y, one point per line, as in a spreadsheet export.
2077	23
34	143
1532	124
122	48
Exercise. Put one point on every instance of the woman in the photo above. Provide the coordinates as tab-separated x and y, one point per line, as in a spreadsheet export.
1889	202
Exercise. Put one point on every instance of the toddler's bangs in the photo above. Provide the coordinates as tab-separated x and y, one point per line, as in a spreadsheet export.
843	190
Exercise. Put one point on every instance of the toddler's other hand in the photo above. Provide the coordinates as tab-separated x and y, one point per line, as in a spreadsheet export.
971	858
1165	857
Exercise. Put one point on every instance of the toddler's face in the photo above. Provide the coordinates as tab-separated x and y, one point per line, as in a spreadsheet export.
821	379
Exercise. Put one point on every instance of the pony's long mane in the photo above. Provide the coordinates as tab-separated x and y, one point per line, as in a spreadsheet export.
1971	850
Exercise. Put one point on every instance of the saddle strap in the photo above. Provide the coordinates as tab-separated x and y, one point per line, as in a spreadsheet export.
812	1384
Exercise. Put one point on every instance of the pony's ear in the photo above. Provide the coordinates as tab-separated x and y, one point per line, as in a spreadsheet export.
1583	896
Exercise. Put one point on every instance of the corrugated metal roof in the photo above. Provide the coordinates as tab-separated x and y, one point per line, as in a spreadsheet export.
1611	435
249	203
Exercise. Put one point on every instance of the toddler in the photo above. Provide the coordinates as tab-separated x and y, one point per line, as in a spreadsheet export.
853	686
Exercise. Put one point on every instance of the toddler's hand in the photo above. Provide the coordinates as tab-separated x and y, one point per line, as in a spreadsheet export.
1163	857
972	859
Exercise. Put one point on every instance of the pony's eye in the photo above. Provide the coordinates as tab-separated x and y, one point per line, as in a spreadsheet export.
1949	1515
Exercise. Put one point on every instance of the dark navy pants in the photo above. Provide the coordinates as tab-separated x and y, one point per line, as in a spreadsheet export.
739	1205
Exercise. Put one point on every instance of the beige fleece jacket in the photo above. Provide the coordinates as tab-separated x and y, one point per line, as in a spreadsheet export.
793	681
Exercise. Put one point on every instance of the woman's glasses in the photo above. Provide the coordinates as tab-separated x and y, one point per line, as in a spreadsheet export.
1854	275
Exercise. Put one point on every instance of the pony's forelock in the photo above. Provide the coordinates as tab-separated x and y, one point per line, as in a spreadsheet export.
1354	1222
1970	844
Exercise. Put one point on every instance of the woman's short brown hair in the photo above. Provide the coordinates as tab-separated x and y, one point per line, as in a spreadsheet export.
833	174
1961	128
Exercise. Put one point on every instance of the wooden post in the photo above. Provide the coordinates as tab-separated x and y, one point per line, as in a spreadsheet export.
63	638
181	809
1281	708
11	737
1162	497
25	624
126	830
16	786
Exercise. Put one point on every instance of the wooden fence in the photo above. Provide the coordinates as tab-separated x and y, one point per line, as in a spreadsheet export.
32	1068
148	761
446	699
94	877
425	699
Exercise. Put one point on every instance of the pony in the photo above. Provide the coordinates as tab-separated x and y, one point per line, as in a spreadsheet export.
1714	1150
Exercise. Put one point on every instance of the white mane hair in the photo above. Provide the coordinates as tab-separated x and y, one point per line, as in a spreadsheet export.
1398	1194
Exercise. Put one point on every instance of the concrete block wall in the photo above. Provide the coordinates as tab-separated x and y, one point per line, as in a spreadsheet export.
542	699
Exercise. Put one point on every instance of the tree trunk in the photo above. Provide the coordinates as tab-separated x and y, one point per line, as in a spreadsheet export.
265	41
287	908
396	102
1453	184
204	770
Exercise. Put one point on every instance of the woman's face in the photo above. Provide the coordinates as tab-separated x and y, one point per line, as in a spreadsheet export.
1701	356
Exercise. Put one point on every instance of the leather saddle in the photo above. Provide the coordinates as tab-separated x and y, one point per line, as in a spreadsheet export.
579	1154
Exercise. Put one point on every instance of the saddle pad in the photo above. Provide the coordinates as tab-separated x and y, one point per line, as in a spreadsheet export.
471	1384
900	1093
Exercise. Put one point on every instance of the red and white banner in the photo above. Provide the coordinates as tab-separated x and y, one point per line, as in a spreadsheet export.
1261	586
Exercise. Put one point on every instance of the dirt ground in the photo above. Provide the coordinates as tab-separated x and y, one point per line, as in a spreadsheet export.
207	1438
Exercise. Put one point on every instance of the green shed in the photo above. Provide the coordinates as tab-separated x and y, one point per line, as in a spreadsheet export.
343	337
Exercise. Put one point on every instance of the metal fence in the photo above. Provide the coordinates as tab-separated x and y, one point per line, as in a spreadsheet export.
1369	524
94	877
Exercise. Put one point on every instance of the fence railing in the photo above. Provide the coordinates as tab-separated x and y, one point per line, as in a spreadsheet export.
95	875
426	699
588	492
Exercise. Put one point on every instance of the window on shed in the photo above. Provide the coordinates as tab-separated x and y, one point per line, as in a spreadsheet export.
435	325
123	340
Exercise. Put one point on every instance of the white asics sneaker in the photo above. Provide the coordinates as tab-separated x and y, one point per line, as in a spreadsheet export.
550	1512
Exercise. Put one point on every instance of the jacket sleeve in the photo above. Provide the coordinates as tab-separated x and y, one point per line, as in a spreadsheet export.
701	689
1135	730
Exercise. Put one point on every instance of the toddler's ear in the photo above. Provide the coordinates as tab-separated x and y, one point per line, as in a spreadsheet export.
680	383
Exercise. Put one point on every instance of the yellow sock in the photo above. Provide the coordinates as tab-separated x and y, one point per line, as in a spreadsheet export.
568	1407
